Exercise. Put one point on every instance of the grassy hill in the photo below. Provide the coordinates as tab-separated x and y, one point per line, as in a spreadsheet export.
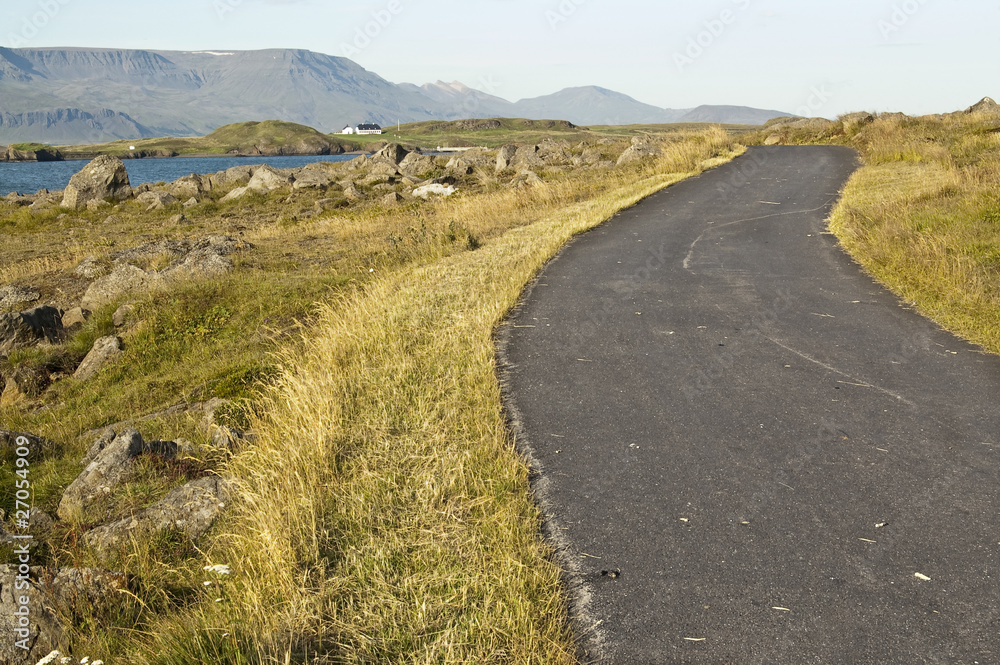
268	137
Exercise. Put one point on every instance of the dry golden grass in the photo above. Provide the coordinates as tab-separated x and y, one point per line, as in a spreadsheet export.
384	515
923	217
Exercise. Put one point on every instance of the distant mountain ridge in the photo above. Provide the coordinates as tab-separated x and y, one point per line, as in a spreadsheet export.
80	95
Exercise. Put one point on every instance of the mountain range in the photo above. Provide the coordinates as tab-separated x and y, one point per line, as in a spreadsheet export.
79	95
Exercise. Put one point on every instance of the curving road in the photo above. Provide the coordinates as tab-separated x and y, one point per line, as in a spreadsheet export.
749	452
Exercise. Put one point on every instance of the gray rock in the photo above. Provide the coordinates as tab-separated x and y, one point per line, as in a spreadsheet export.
312	178
505	157
425	191
23	329
352	193
155	200
75	318
90	268
985	105
15	296
123	314
267	179
106	471
390	199
190	509
103	179
234	194
237	176
102	442
415	164
11	441
123	280
191	202
392	153
105	350
190	185
54	598
177	220
527	157
640	150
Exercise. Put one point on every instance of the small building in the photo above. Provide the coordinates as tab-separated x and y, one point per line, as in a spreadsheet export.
347	130
368	128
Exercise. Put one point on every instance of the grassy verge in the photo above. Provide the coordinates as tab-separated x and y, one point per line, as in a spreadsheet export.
923	217
384	514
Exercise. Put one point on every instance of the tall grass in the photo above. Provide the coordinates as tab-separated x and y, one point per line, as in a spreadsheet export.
384	514
923	217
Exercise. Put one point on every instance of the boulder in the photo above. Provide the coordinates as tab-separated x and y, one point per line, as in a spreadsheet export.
25	382
75	318
15	296
11	441
191	202
393	153
308	178
90	268
190	509
234	194
415	164
190	185
124	279
526	179
641	148
122	314
237	176
155	200
55	598
23	329
107	470
505	156
267	178
527	157
425	191
391	199
985	105
103	179
105	350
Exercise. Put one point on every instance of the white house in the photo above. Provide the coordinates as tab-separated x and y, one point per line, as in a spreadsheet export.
368	128
347	130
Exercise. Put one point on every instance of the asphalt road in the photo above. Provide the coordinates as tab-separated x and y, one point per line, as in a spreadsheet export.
749	452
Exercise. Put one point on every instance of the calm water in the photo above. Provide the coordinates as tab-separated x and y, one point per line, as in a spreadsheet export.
29	177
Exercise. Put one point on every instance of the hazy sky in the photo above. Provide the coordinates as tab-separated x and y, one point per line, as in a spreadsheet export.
801	56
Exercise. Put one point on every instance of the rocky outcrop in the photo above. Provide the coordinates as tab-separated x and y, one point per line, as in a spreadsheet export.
74	319
392	153
11	441
15	154
189	259
23	329
505	157
105	350
154	200
190	509
641	148
15	296
50	599
986	105
103	179
106	471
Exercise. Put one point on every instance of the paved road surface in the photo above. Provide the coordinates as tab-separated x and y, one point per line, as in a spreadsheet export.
751	452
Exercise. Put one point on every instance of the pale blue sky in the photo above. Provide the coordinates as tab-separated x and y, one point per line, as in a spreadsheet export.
821	57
